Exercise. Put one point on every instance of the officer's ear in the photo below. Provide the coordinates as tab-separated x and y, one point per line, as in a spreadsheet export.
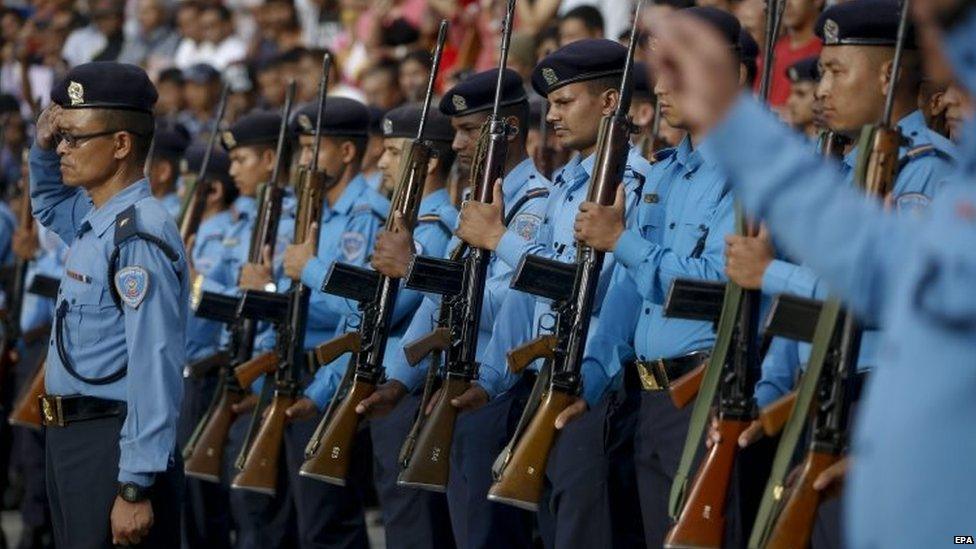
610	99
348	152
166	170
267	159
513	122
124	145
433	165
884	75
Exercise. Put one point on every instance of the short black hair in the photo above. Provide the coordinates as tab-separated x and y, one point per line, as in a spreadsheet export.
139	124
385	66
422	57
590	16
221	10
171	75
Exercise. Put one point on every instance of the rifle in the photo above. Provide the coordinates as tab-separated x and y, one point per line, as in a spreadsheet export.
699	510
518	478
328	452
203	453
196	201
544	153
10	322
259	458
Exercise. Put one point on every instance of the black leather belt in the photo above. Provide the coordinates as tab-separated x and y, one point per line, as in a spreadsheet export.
59	411
656	375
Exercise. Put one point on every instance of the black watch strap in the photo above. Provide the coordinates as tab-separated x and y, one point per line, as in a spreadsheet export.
132	492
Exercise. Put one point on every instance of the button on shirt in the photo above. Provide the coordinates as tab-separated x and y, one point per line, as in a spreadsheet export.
519	321
678	231
100	338
522	179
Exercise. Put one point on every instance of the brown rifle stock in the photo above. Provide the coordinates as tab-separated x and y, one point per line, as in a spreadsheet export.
520	484
775	416
702	520
27	411
332	349
205	459
329	462
258	366
883	162
260	471
794	524
437	340
429	464
684	389
520	357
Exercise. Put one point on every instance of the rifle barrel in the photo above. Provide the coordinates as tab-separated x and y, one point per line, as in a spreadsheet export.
896	64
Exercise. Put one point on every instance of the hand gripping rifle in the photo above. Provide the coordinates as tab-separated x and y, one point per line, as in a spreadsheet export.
329	450
259	467
192	212
461	283
519	476
699	509
203	453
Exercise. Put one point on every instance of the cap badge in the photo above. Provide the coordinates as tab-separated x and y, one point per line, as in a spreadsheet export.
387	126
229	140
76	93
550	76
305	122
831	32
460	103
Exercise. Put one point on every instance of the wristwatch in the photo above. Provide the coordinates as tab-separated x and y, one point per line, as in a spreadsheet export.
271	287
132	492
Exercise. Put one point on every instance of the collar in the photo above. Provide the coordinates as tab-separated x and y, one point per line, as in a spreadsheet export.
353	191
910	126
246	207
433	201
688	156
516	179
100	219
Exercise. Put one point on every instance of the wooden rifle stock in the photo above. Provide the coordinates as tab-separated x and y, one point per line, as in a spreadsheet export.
27	411
329	456
684	389
437	340
332	349
794	524
204	460
260	470
702	520
520	357
430	463
883	161
774	416
520	484
258	366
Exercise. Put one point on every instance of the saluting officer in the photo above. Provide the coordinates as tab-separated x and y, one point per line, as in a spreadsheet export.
114	363
910	482
677	232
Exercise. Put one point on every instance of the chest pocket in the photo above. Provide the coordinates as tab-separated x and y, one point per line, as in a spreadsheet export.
650	219
87	305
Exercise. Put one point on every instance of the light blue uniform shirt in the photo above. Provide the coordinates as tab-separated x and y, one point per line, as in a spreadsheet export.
678	231
522	315
523	226
912	478
38	311
203	336
172	204
925	158
99	338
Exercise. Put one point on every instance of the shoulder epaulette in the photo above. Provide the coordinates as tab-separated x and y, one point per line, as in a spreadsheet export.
125	224
662	154
921	151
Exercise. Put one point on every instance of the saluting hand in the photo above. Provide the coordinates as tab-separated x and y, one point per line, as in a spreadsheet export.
298	255
255	276
482	225
47	125
601	226
383	399
304	408
130	521
394	249
747	258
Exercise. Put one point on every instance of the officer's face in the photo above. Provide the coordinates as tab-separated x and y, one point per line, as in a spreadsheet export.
90	161
575	111
850	87
958	108
670	104
468	130
389	163
800	103
800	12
249	168
330	155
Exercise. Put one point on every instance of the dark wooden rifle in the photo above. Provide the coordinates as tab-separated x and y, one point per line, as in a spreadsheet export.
522	466
330	448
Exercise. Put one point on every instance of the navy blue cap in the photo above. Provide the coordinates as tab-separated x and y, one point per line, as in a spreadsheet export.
804	70
579	61
863	23
254	128
218	168
642	81
170	140
748	48
404	121
105	85
343	117
201	73
722	21
376	115
476	93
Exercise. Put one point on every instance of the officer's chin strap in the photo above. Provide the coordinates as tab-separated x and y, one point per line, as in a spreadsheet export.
66	361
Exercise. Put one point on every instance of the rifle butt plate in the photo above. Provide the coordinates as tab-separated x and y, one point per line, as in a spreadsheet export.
514	502
423	486
324	478
259	489
202	476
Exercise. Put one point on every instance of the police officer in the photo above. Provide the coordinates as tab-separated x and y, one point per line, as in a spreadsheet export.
677	232
481	430
800	105
163	167
411	518
590	497
113	367
911	274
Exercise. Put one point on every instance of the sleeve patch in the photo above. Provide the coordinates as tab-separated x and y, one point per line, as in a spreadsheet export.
911	202
132	284
353	245
526	225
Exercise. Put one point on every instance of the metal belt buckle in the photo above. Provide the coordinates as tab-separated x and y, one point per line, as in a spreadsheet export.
52	410
653	376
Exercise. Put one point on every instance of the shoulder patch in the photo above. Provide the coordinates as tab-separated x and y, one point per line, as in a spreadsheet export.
353	245
911	202
526	225
132	283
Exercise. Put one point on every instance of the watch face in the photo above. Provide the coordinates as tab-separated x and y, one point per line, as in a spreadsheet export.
130	492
